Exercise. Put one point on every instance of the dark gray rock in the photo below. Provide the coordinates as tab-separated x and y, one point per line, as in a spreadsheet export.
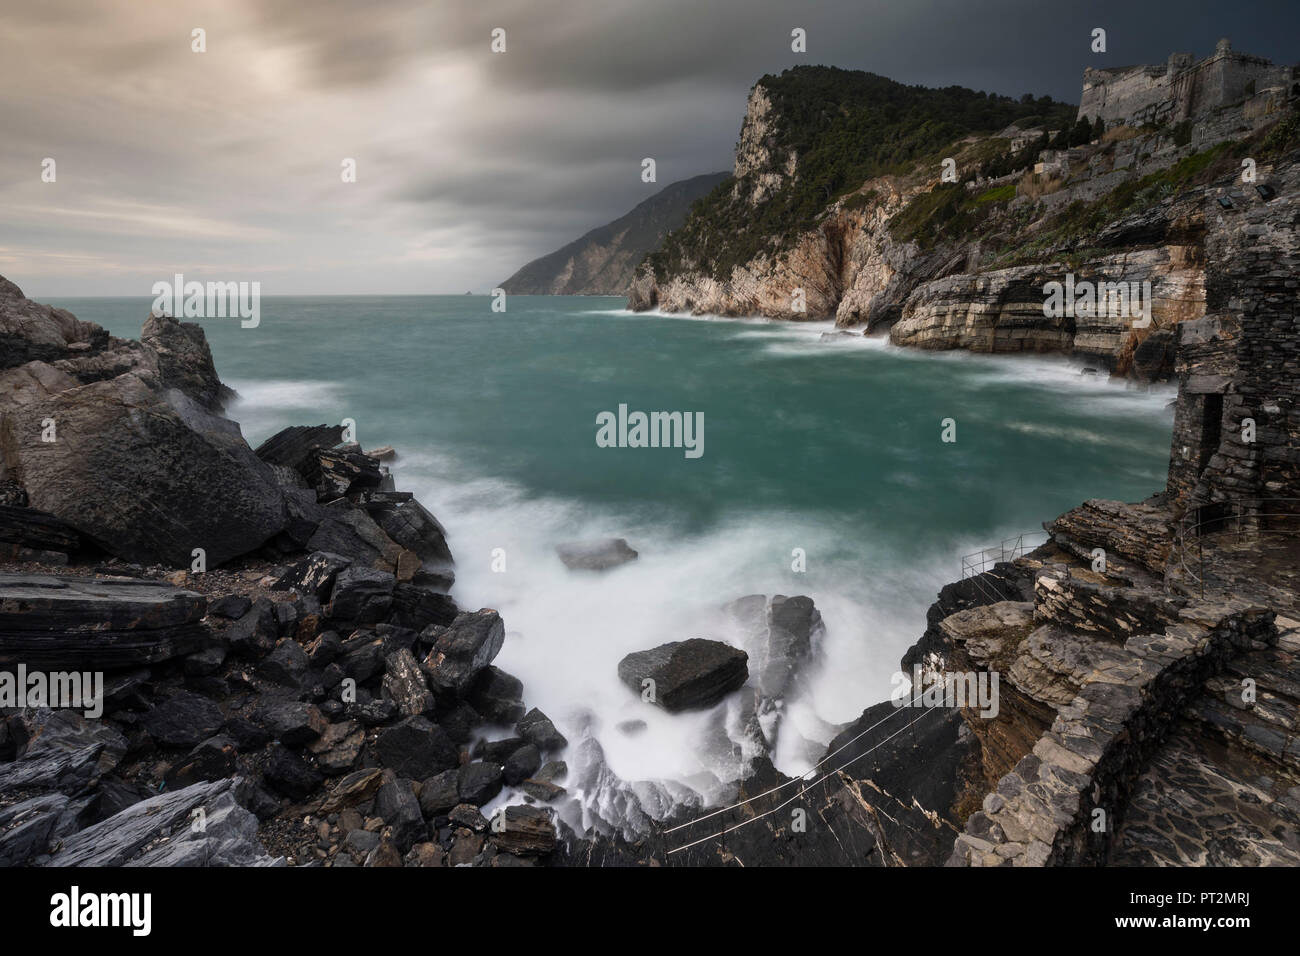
396	805
28	529
82	623
687	674
291	446
67	752
404	684
213	759
314	574
232	606
497	696
537	729
143	471
294	723
598	555
479	782
463	649
228	836
287	664
416	749
440	793
419	607
183	720
362	595
522	764
415	529
288	774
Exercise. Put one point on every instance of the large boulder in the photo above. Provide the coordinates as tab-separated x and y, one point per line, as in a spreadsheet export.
119	440
687	675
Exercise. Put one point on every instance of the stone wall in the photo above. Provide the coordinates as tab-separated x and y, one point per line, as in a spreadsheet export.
1240	361
1043	811
1178	89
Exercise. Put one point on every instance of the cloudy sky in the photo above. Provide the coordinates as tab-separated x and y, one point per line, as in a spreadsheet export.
226	164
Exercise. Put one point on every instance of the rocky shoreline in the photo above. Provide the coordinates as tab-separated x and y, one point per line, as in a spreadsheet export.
289	681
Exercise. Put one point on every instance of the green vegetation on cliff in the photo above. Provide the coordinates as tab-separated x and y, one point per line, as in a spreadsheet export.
843	127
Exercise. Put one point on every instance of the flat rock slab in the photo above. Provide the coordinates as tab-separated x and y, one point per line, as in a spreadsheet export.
83	623
687	674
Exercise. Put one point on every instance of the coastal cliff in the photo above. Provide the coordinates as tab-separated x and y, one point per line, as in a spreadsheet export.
962	261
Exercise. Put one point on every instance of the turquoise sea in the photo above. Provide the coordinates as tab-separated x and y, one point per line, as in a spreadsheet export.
832	446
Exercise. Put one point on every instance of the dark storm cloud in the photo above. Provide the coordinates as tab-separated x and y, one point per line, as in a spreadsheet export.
470	162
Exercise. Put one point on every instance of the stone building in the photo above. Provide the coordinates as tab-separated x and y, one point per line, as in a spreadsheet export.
1181	88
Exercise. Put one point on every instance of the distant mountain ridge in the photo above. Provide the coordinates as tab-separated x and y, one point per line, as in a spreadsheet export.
603	261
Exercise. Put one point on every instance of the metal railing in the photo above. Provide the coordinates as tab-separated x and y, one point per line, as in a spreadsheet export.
977	562
1245	519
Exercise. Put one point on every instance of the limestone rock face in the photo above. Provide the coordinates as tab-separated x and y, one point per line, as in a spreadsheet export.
979	285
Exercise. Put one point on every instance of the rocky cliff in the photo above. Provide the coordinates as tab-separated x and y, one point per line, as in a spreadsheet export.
603	261
965	261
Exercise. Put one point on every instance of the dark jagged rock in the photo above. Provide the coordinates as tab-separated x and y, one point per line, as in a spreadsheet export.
528	831
339	472
184	720
415	529
314	574
254	634
440	793
287	664
160	832
479	782
28	530
185	360
463	649
232	606
537	729
362	595
599	555
687	674
416	749
291	446
343	529
396	805
287	773
404	684
419	607
77	622
66	752
522	764
294	723
337	749
213	759
497	696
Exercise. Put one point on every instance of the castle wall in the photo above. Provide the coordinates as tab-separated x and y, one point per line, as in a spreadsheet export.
1179	89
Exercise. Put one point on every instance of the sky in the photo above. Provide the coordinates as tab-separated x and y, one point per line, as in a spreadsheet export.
226	165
